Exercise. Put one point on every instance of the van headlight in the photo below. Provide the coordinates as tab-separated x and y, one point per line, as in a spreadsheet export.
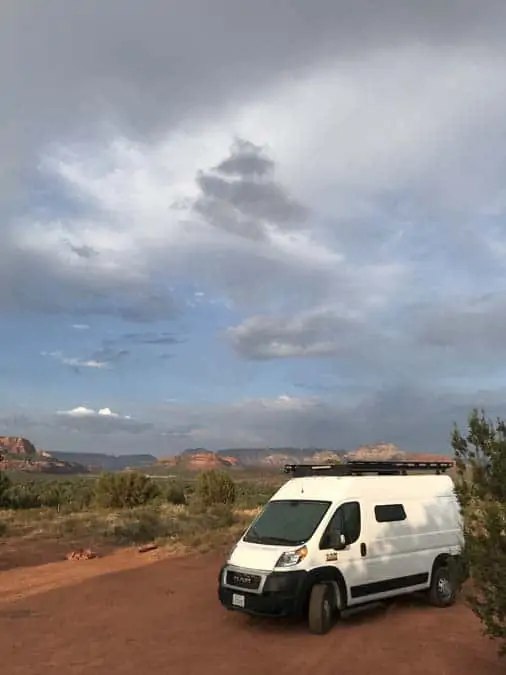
292	558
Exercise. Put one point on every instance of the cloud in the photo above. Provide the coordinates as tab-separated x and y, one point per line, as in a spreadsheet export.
241	196
102	421
336	194
82	411
472	326
152	338
141	229
110	356
104	358
260	422
328	185
415	418
246	160
316	333
76	362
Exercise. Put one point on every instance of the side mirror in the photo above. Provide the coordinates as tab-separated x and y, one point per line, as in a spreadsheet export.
337	541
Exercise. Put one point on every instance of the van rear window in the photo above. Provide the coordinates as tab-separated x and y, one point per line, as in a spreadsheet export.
389	513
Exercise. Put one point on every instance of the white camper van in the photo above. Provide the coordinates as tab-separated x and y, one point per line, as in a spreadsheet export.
337	536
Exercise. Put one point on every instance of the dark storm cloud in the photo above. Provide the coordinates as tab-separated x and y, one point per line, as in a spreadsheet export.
246	204
147	65
83	251
145	68
246	159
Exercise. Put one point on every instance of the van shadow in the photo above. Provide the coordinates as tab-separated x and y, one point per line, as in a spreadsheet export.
351	619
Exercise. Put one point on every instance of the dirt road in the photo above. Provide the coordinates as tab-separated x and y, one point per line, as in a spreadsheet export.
164	617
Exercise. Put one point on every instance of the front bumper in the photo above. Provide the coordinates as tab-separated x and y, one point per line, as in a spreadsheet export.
281	594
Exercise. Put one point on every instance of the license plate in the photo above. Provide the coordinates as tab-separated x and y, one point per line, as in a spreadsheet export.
238	600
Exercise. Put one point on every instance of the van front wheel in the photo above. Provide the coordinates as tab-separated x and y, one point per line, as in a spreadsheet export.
321	609
443	591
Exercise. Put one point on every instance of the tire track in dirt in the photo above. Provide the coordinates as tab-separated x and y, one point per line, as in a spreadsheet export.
165	617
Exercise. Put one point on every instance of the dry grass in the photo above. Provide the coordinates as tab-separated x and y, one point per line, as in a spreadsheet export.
165	524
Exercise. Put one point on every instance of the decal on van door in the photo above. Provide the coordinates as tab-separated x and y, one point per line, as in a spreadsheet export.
331	557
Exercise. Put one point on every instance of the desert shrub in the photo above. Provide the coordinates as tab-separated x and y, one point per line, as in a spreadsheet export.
208	529
252	494
54	493
71	495
50	494
214	487
22	496
140	527
5	484
175	493
218	516
481	489
124	490
75	495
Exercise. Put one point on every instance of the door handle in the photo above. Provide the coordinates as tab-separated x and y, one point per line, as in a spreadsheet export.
363	550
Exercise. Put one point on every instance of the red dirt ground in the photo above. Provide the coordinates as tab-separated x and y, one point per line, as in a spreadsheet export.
130	613
17	552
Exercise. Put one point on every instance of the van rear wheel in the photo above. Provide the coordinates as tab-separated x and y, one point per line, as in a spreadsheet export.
443	589
321	611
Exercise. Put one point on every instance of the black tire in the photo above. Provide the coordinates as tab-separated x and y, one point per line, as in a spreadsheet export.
443	588
321	609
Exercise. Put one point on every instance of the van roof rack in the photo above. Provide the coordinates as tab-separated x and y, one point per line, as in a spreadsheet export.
363	467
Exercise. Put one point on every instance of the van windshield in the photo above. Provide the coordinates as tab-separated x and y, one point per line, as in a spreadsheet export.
287	522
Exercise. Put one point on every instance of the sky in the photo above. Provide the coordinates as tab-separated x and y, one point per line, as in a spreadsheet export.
237	224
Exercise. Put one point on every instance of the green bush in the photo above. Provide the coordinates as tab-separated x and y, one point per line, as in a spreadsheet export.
22	496
175	493
141	527
481	489
125	490
252	494
214	487
5	484
69	495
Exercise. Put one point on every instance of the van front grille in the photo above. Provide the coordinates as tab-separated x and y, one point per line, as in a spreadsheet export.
243	580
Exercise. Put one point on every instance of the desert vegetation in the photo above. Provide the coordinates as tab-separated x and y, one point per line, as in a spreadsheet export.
128	507
481	488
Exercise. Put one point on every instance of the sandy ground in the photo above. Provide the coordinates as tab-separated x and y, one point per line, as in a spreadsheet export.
129	613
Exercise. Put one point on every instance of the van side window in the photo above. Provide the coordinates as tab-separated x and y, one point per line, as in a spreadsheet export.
389	513
347	520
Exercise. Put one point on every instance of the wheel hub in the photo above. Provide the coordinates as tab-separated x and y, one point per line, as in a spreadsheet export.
444	587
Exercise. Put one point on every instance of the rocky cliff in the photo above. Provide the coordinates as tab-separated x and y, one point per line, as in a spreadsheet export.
272	458
379	452
197	459
16	445
20	454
